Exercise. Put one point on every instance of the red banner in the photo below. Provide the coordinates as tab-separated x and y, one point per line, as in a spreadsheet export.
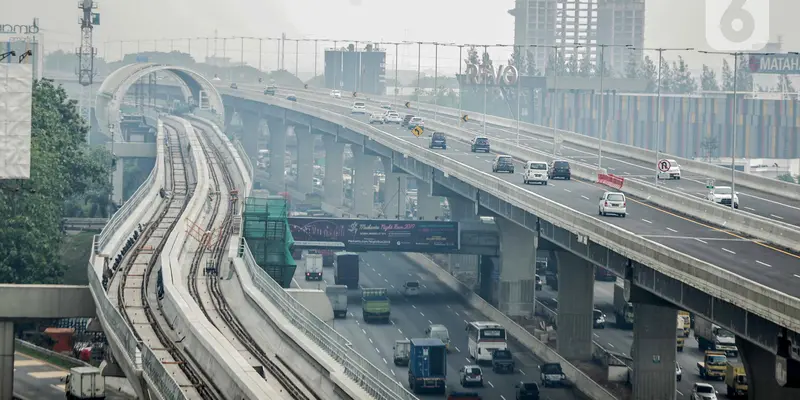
611	180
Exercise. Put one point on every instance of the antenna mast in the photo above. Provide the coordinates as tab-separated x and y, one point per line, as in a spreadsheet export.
86	54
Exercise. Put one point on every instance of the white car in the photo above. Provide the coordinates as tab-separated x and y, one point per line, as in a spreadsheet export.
336	93
471	375
678	372
392	118
674	171
359	107
612	203
722	195
703	391
534	171
376	118
386	105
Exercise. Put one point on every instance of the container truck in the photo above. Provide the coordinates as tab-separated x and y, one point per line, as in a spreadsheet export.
345	269
712	337
337	294
713	365
313	266
85	383
736	380
401	352
623	310
427	366
375	305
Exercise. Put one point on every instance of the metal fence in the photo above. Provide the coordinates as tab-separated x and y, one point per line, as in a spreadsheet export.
161	380
364	373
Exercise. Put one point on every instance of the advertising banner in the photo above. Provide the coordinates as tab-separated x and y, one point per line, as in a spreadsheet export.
16	85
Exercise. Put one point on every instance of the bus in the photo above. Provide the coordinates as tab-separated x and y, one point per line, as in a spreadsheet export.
484	338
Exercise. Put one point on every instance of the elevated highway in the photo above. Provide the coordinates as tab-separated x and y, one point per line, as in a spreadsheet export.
688	274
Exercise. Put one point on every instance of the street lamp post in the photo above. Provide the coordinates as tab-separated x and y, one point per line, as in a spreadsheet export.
316	47
241	51
296	57
260	43
485	77
460	94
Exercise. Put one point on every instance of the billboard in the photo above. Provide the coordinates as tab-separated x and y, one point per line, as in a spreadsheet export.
775	64
376	235
16	86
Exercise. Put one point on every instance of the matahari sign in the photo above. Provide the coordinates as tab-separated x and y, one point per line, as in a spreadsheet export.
504	76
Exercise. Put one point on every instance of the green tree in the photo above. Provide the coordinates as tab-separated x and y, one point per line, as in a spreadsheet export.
572	66
530	65
585	66
472	56
727	76
708	79
667	77
787	178
649	72
556	64
744	79
785	84
31	210
632	69
682	79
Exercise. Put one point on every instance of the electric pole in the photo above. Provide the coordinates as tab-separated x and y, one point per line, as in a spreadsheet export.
86	54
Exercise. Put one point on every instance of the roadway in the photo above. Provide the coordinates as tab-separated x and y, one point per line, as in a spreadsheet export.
436	304
750	259
767	205
39	380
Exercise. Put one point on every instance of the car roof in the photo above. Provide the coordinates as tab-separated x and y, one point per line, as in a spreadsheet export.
437	326
700	384
609	192
503	156
481	137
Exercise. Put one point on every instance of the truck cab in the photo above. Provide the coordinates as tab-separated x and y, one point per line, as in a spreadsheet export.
714	365
375	305
401	351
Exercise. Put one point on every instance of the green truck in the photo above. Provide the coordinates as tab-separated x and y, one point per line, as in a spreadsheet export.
375	305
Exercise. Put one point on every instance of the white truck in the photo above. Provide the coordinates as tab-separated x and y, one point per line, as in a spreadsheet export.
313	266
85	383
337	294
711	336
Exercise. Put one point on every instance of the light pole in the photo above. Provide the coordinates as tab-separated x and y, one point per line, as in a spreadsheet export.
316	47
296	57
460	94
436	77
485	77
396	64
661	51
419	71
260	52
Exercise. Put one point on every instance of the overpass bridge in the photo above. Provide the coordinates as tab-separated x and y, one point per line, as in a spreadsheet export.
663	269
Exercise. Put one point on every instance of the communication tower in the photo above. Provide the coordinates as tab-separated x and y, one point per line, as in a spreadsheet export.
86	54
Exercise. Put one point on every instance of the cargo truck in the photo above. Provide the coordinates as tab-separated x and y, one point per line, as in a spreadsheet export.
401	352
712	337
345	269
427	366
713	365
623	310
375	305
736	380
682	332
313	263
85	383
337	294
687	321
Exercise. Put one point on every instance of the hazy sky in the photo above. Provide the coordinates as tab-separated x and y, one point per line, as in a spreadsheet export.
670	23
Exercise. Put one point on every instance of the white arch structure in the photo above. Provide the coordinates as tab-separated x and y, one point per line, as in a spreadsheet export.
116	84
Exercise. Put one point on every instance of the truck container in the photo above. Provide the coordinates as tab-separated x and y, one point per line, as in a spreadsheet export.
375	305
623	310
681	332
401	349
337	294
85	383
427	367
736	380
714	365
711	336
313	263
345	269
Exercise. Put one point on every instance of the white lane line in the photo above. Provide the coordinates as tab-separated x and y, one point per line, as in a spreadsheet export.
393	372
502	397
796	276
365	332
384	361
568	191
649	222
420	313
448	306
585	197
386	280
370	340
724	249
490	384
456	312
611	345
378	350
749	209
457	350
392	286
595	335
679	392
399	331
776	216
468	360
522	372
413	306
465	321
671	230
373	270
430	322
764	264
701	241
379	274
391	322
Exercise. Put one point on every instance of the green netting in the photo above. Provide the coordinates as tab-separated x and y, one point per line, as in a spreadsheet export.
266	229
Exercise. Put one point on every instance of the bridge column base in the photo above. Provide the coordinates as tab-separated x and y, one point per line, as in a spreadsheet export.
654	352
575	306
277	151
394	192
111	368
462	209
429	207
6	360
517	286
363	187
334	167
305	159
252	130
760	369
118	182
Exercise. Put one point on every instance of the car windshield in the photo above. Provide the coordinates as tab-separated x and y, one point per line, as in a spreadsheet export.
724	333
412	284
616	197
717	360
722	190
473	370
438	135
705	389
440	334
502	354
530	387
551	369
597	314
503	160
482	141
561	164
415	119
393	114
538	166
359	105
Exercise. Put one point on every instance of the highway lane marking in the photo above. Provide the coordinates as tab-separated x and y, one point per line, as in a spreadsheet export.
378	350
420	313
776	216
672	230
365	332
413	306
468	360
522	372
649	222
502	397
384	361
60	388
610	345
490	384
595	335
391	322
386	280
448	306
679	392
724	249
691	237
393	372
457	350
750	208
701	241
392	286
764	264
585	197
399	331
429	321
796	276
370	340
568	191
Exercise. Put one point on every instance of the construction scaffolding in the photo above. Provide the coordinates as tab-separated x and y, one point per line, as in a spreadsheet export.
266	229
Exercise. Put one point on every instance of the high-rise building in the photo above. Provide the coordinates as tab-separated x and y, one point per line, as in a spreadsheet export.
578	26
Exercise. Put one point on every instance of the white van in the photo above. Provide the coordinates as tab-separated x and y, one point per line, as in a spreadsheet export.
534	171
438	331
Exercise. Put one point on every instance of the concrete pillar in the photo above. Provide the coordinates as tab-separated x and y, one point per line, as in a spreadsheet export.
575	306
228	118
654	352
305	159
117	182
334	167
252	129
6	360
760	369
364	182
428	207
462	209
394	192
517	286
277	151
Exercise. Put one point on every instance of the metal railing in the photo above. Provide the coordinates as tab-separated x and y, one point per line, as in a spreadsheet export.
159	378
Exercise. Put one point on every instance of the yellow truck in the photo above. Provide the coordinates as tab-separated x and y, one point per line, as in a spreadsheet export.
736	380
682	331
714	365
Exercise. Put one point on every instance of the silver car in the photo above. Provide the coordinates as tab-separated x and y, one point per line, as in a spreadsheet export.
471	375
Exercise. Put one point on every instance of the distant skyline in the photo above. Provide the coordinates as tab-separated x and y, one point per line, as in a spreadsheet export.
669	23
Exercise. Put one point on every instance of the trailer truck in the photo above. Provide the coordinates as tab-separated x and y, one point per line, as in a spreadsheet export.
345	269
623	310
375	305
427	366
736	380
337	294
711	336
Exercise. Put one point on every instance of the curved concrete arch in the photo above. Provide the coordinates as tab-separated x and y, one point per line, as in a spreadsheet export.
113	89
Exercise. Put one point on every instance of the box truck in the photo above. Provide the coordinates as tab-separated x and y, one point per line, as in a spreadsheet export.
427	366
345	269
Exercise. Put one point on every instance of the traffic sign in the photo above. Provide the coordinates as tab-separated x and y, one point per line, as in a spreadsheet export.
95	18
417	131
664	165
408	104
465	117
305	86
355	94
